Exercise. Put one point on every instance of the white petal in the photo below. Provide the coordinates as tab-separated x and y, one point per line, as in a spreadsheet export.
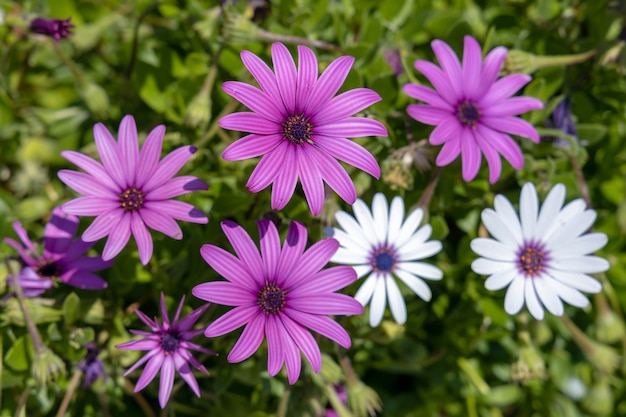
508	216
580	246
348	240
361	270
396	302
577	281
409	227
484	266
532	302
499	230
549	210
364	216
416	285
528	210
492	249
570	210
548	295
514	298
569	295
501	279
574	227
583	264
352	227
346	256
421	251
380	210
377	306
422	270
396	216
364	294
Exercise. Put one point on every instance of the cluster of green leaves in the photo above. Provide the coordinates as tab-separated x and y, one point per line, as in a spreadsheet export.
164	62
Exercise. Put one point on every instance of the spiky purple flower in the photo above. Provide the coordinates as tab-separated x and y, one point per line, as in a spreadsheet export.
300	128
55	28
168	345
473	112
62	257
277	295
131	189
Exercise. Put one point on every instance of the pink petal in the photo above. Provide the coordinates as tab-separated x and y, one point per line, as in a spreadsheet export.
255	99
90	206
225	293
293	362
312	182
92	167
328	83
161	223
345	104
470	154
167	380
102	225
149	156
491	67
333	173
286	179
168	167
328	280
85	281
268	168
512	125
129	148
143	344
304	341
292	250
246	250
59	232
178	210
270	247
177	186
472	66
118	237
142	237
182	366
249	341
307	76
450	151
264	76
250	122
445	131
276	337
503	88
325	304
352	127
322	325
427	95
491	155
512	106
251	146
449	64
504	145
150	371
86	184
349	152
229	267
110	155
314	259
232	320
427	114
439	80
286	75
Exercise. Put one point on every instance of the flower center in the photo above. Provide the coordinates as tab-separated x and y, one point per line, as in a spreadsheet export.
383	260
467	113
169	342
131	199
271	299
297	129
532	260
49	269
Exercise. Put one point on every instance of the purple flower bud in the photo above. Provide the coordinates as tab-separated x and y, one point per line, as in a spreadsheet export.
55	28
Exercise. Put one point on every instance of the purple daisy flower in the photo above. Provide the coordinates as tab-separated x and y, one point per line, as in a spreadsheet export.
277	294
168	345
300	128
55	28
131	189
62	257
473	112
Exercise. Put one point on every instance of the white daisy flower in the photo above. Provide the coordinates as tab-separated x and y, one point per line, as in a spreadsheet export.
378	243
543	256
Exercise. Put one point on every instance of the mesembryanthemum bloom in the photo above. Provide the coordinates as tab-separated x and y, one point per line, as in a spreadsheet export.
380	244
473	110
62	258
300	128
169	349
543	256
277	294
131	189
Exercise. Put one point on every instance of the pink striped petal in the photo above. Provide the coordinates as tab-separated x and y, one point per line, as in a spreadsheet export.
168	167
291	354
326	304
250	122
491	67
304	341
229	267
246	250
110	155
513	106
449	64
333	173
491	155
255	99
349	152
92	167
450	151
314	259
84	280
307	76
249	341
427	114
328	83
59	232
118	237
161	223
86	184
182	366
293	248
470	155
178	210
232	320
286	179
129	148
142	237
439	80
167	380
329	280
512	125
286	75
149	156
276	337
177	186
322	325
102	226
427	95
503	88
312	183
268	168
225	293
504	145
472	66
264	76
270	247
251	146
345	104
448	129
352	127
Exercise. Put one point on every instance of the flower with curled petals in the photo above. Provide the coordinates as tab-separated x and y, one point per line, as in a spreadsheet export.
384	245
131	189
543	255
278	294
168	345
472	110
300	128
61	259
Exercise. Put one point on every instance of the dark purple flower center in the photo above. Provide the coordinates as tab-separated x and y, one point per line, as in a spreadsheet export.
467	113
49	269
297	129
532	260
383	259
170	342
132	199
271	299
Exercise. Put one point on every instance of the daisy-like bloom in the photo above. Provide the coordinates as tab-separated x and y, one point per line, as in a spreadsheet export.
385	246
277	294
62	258
543	255
300	128
169	349
473	110
131	189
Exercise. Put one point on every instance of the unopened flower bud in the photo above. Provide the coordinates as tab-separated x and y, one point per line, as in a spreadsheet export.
55	28
46	366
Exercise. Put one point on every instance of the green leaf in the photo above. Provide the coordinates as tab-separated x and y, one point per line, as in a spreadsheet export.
70	308
19	355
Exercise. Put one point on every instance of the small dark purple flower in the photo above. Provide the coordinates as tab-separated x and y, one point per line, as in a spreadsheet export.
62	258
91	365
393	58
55	28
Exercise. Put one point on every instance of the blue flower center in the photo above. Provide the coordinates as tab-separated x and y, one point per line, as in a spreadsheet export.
49	269
532	260
383	260
297	129
170	342
271	299
132	199
467	113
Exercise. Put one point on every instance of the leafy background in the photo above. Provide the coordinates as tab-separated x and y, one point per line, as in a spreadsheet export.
164	62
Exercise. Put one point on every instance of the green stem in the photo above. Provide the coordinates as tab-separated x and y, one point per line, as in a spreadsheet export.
69	393
78	74
553	61
427	195
579	336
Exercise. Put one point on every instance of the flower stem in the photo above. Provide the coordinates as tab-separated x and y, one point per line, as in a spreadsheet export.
22	403
71	65
424	200
69	393
581	338
557	60
584	190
